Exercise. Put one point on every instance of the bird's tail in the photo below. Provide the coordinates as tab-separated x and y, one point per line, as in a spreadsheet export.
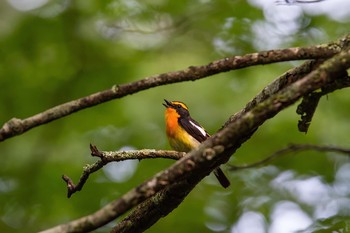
221	177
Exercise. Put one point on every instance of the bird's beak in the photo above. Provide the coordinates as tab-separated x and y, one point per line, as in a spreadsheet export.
167	104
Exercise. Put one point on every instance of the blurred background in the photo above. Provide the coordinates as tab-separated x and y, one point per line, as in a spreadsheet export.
55	51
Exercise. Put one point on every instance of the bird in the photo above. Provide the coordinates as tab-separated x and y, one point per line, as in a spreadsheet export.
185	134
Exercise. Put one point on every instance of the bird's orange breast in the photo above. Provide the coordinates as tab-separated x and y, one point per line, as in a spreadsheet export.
171	121
178	138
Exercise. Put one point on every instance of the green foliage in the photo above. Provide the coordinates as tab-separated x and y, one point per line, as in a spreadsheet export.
65	50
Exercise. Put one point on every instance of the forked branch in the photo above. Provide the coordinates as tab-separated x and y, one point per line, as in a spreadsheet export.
115	156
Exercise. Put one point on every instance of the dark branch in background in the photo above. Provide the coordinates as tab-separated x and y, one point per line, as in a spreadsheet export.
306	110
307	107
291	2
115	156
17	126
214	151
291	149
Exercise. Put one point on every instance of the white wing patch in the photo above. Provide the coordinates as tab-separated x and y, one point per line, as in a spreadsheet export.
199	128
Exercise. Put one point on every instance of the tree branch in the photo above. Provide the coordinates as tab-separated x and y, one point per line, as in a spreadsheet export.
290	149
156	207
115	156
17	126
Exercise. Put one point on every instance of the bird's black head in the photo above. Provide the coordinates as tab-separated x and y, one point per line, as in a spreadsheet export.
178	106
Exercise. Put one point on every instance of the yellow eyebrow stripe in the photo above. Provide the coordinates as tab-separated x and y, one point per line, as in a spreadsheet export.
180	103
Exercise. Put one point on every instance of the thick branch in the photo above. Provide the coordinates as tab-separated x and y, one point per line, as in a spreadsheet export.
17	126
161	204
156	207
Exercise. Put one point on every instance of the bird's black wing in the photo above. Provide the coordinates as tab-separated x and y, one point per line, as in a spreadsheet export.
194	129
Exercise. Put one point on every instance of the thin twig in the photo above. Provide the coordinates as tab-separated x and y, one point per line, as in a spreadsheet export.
293	148
115	156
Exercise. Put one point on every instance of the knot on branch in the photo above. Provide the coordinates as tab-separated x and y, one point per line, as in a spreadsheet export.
209	153
12	127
